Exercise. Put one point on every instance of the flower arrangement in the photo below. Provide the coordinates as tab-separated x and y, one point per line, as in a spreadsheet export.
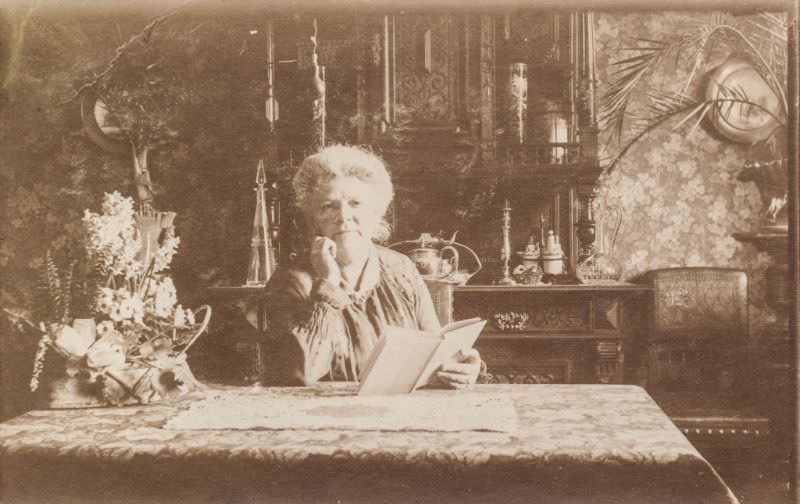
133	349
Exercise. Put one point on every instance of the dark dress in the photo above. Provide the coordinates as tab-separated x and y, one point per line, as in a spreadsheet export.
317	330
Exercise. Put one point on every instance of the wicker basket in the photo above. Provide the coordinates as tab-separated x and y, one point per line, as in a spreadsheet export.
67	382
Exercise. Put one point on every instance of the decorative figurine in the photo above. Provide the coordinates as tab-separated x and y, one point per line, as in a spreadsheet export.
529	272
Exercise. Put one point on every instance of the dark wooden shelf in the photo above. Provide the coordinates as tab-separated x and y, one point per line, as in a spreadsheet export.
588	288
776	243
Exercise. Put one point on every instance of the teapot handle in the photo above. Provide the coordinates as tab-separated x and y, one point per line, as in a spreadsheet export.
454	251
474	256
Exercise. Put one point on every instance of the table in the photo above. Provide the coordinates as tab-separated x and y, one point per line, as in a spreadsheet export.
573	443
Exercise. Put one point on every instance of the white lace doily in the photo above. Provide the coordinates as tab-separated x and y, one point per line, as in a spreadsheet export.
429	411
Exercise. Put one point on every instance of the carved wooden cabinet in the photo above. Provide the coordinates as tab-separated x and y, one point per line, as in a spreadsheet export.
553	334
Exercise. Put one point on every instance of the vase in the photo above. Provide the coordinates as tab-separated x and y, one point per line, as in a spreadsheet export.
601	266
152	226
516	104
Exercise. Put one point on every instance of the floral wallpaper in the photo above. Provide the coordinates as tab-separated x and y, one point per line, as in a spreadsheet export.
678	187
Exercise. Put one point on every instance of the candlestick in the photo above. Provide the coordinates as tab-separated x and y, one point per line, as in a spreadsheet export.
505	252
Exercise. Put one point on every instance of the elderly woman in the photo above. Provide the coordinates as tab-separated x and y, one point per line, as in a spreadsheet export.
328	307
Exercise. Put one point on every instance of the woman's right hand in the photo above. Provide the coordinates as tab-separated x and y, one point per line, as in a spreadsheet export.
323	260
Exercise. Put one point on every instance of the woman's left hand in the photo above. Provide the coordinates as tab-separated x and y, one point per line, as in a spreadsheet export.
460	370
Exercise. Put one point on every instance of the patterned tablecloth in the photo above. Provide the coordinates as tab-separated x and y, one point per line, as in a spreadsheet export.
570	444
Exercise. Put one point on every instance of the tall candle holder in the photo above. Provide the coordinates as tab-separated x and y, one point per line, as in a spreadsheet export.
505	252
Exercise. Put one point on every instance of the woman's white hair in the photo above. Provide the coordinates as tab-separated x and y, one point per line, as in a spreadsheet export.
344	161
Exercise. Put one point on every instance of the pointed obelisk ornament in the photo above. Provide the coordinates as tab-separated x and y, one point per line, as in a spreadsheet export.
262	255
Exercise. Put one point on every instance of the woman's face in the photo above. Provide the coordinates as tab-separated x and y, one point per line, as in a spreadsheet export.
346	210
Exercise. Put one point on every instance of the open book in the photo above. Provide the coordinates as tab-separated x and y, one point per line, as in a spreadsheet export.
404	359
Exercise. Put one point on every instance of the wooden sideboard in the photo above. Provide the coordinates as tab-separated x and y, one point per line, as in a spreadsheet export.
570	334
554	334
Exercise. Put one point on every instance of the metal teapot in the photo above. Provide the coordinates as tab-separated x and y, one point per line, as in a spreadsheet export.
437	258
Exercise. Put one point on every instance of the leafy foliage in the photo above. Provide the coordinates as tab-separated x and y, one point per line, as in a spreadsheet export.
762	42
55	288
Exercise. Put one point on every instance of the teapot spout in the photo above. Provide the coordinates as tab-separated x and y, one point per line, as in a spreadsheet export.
452	238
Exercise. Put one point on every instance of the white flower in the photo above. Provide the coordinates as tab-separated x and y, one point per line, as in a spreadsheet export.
105	300
183	317
112	236
105	353
165	298
71	341
180	317
116	313
126	308
134	291
164	254
104	329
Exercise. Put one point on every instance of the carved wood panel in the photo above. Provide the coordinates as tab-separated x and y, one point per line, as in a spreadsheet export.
427	69
695	303
534	362
520	314
539	373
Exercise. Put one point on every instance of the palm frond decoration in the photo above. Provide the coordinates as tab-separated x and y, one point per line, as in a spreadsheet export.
761	42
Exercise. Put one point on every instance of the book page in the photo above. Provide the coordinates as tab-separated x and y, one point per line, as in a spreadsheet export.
457	336
459	324
397	361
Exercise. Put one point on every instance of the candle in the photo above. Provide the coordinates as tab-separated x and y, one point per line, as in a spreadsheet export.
541	229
